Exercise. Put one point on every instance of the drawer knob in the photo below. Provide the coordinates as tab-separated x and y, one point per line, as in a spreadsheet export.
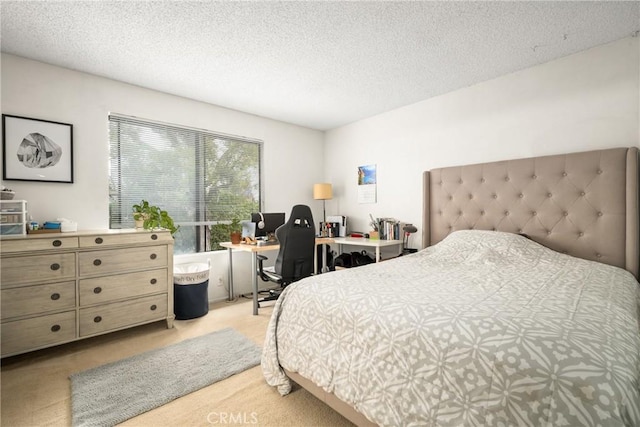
97	319
55	266
153	307
99	240
55	328
153	281
55	296
97	290
153	256
97	262
57	243
154	237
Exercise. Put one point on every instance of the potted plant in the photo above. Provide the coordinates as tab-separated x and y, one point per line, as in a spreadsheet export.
151	217
141	213
235	231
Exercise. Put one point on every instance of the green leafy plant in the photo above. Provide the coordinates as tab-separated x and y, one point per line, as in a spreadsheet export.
235	230
153	217
235	226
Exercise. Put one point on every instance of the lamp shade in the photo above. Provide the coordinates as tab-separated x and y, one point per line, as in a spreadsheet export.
322	191
409	228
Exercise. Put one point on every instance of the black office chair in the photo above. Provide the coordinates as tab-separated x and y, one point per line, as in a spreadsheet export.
295	258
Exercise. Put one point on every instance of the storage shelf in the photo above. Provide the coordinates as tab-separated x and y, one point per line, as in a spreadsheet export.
15	213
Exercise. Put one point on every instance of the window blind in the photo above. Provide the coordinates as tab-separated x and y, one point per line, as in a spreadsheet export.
200	178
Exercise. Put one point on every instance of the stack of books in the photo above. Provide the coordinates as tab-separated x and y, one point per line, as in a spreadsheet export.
389	229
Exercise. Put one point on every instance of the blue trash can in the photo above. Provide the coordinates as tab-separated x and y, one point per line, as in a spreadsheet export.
190	290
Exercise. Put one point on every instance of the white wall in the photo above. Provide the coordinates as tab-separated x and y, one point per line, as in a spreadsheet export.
293	155
586	101
582	102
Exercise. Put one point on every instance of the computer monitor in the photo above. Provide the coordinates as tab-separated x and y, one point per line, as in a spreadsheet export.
269	222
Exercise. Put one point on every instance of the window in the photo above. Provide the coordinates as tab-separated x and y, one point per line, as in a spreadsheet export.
201	178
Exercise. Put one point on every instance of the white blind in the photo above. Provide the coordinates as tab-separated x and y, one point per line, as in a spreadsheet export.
198	176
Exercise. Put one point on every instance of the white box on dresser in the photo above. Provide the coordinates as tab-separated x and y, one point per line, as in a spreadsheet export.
61	287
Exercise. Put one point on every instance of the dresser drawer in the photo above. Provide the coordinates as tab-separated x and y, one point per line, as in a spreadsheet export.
29	300
101	240
37	332
117	260
38	244
107	317
37	268
110	288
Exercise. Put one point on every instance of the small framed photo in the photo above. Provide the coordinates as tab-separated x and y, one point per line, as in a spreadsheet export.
36	150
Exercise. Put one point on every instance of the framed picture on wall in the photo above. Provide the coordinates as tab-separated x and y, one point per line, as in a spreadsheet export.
36	150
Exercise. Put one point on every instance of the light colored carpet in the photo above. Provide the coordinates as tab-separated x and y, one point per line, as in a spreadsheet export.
113	393
36	391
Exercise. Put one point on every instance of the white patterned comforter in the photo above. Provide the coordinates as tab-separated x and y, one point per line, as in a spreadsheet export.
484	328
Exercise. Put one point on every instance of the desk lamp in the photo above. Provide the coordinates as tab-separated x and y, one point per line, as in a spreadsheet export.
408	229
323	192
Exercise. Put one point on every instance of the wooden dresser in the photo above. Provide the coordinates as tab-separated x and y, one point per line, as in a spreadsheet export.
62	287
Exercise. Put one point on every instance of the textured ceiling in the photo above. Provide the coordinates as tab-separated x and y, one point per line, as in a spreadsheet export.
316	64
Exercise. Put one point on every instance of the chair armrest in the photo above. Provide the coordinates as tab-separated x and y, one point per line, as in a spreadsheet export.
265	274
260	272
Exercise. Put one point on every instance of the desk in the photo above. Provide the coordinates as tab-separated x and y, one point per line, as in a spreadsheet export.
255	250
361	241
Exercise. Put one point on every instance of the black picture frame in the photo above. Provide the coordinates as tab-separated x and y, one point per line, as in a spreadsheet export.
36	150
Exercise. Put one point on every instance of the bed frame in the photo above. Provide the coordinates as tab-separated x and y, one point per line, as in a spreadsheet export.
583	204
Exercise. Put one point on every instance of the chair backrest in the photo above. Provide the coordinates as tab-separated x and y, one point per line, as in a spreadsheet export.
297	242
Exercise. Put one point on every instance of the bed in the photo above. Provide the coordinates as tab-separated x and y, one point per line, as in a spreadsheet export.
521	310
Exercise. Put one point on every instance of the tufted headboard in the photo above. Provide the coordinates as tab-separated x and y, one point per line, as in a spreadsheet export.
583	204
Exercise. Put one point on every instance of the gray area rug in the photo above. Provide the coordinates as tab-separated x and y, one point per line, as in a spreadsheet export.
112	393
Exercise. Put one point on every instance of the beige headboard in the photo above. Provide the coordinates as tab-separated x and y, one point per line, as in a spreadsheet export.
583	204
